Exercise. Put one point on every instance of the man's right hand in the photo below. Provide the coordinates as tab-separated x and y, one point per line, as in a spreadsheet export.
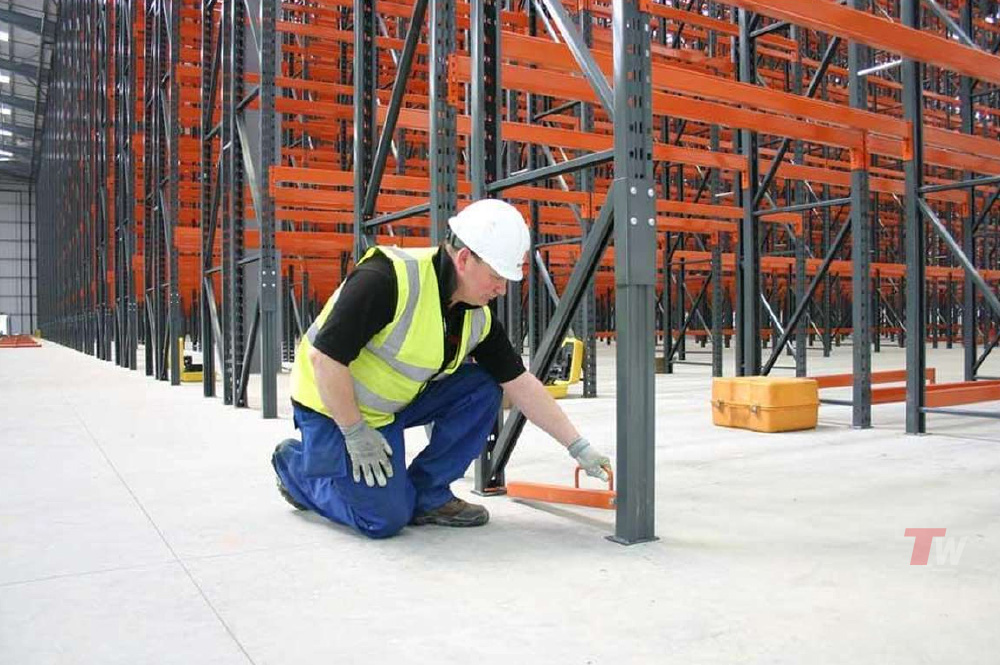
369	453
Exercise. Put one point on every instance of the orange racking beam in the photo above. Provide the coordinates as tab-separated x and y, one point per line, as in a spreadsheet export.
943	394
838	267
718	25
834	19
847	128
888	376
673	78
417	119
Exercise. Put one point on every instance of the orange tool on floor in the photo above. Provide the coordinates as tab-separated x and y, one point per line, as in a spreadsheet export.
575	495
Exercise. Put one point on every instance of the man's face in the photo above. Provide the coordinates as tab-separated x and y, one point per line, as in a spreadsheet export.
478	282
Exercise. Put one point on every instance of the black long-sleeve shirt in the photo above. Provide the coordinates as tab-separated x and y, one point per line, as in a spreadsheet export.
367	303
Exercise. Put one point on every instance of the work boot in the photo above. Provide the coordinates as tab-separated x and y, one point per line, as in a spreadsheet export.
282	490
454	513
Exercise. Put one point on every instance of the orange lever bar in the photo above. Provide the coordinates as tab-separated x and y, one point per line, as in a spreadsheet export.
575	495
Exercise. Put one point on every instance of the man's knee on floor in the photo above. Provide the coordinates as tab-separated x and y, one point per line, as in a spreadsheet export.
389	521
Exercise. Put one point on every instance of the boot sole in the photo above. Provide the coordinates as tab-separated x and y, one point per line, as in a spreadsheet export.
282	490
424	520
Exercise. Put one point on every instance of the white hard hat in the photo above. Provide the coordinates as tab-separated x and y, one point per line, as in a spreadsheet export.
496	232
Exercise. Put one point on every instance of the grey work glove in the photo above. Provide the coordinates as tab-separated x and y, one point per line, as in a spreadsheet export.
593	462
369	453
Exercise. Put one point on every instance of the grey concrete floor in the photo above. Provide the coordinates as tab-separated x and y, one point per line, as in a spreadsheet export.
139	524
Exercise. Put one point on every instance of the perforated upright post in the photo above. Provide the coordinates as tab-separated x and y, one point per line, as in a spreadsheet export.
748	284
635	272
484	153
269	334
444	154
365	71
912	80
969	313
170	189
857	57
211	194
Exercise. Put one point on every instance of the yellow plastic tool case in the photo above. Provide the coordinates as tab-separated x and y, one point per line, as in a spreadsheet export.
765	403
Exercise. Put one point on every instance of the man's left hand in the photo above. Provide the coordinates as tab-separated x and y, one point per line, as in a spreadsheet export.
593	462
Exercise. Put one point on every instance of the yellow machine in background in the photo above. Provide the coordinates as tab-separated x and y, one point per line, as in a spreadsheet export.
190	372
566	369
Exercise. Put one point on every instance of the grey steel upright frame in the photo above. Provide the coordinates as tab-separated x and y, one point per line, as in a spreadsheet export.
585	182
916	360
212	337
126	307
748	359
239	168
162	297
969	318
169	190
925	213
232	184
801	246
860	245
365	70
268	298
148	228
105	329
69	308
635	272
484	149
364	114
161	129
443	151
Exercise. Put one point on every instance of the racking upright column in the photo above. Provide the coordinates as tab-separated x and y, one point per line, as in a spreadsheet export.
233	203
443	152
969	318
484	156
585	183
635	272
155	306
748	290
912	80
126	337
170	195
269	335
857	55
365	71
99	60
211	190
801	244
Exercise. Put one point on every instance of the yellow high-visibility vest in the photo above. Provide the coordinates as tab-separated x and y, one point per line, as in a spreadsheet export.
402	357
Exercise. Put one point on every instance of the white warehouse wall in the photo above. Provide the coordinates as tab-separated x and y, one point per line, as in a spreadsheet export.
18	258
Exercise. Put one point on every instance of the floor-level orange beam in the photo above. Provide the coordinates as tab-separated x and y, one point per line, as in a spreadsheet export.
576	495
889	376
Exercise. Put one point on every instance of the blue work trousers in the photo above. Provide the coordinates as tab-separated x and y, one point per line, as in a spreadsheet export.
317	471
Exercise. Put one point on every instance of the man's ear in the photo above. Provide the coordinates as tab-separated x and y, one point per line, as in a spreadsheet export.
462	259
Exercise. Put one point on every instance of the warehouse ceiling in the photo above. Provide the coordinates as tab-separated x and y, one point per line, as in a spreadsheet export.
27	34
